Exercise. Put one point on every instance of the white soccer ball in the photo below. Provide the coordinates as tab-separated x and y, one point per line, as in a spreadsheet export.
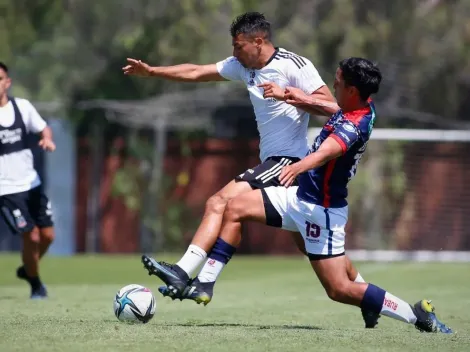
134	304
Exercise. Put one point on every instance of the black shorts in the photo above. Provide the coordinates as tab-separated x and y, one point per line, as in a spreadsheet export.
23	211
267	173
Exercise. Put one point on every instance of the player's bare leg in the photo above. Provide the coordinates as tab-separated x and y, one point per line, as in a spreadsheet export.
211	223
176	276
30	253
353	274
30	270
332	273
46	237
248	206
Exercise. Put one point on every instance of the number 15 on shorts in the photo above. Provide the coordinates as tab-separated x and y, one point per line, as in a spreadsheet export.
312	232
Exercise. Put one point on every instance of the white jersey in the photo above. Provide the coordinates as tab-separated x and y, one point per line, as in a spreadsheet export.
17	173
282	127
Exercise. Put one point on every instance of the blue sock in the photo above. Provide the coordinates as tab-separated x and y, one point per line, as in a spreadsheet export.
222	251
373	299
219	256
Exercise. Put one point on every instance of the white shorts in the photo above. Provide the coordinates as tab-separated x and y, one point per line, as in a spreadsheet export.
322	228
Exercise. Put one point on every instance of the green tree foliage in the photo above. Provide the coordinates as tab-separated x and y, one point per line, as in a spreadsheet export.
68	49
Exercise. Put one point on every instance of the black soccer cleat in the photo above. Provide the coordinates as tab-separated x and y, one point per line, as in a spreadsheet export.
171	274
199	292
371	319
21	273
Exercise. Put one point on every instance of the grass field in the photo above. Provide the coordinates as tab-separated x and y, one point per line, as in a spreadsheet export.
261	304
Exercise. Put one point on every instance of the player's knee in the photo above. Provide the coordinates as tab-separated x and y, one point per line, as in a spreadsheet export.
47	235
216	204
234	211
338	292
31	237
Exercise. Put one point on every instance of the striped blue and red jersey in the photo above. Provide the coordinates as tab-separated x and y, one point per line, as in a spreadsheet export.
327	184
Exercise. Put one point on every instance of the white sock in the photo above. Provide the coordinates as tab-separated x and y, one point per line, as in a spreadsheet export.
359	278
192	259
394	307
211	270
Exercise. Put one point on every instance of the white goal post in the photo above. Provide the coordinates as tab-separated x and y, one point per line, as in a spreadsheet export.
392	134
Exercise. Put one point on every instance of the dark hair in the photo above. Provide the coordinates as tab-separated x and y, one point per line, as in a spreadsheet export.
362	74
251	23
3	67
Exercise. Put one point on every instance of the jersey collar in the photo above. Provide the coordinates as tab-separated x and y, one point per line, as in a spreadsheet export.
272	56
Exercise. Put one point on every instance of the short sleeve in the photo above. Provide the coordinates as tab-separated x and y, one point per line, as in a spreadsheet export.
305	77
346	134
230	69
33	121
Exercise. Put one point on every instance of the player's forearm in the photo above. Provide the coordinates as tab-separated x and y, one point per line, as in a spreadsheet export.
314	161
183	72
317	106
46	133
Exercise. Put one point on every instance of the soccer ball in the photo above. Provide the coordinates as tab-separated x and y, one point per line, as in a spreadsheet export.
134	304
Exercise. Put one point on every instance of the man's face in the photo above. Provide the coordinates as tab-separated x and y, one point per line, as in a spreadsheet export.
5	83
343	93
247	50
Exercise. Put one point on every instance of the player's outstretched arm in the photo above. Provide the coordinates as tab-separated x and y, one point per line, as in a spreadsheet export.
182	73
330	149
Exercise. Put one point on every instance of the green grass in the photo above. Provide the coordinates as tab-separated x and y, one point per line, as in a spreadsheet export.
261	304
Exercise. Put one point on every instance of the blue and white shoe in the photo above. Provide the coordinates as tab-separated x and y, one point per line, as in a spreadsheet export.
427	320
40	293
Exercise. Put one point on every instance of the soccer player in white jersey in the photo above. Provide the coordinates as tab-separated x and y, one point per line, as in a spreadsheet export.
266	71
318	206
24	208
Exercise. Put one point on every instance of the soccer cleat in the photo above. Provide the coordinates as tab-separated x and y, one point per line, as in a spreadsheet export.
39	293
199	292
172	275
21	273
427	320
36	292
371	319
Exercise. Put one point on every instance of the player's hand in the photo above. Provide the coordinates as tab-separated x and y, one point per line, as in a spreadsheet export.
272	90
47	144
295	96
137	68
288	174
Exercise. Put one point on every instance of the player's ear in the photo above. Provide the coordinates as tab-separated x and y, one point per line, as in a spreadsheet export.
353	91
259	41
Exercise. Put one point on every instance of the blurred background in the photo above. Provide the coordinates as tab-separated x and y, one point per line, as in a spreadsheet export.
138	157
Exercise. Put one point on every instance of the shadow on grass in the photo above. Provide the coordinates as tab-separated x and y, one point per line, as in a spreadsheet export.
228	325
239	325
9	298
